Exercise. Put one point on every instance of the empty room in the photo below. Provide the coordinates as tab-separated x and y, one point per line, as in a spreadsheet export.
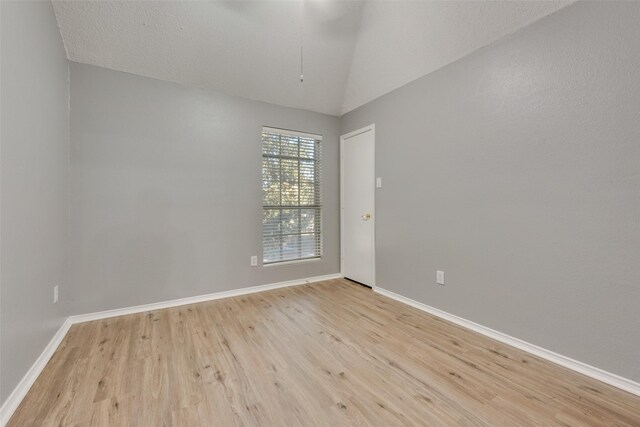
319	213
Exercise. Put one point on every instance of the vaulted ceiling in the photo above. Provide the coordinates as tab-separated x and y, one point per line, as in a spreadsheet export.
354	51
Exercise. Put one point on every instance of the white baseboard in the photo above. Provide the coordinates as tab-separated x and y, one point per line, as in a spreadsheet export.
200	298
588	370
13	401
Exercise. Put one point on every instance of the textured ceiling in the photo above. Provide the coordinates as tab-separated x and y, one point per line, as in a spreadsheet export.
400	41
245	48
353	51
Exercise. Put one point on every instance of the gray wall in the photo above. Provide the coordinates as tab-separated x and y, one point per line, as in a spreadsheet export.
515	170
34	189
166	193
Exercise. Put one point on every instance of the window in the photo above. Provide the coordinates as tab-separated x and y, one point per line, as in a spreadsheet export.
291	207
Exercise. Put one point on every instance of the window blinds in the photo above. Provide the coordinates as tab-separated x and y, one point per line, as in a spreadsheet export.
291	204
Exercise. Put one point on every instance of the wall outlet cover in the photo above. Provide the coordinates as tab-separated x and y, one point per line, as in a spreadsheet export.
440	277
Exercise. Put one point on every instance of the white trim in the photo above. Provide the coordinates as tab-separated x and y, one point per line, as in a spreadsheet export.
193	300
293	261
371	128
288	132
588	370
13	401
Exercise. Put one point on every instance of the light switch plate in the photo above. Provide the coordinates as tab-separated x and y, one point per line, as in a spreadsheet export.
440	277
254	261
378	182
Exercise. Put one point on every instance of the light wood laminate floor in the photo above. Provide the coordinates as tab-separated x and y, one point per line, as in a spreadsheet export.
331	353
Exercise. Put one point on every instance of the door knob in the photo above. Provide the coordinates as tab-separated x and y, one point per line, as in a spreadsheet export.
366	217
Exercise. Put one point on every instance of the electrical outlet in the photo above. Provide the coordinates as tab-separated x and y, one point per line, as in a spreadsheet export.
254	261
440	277
55	294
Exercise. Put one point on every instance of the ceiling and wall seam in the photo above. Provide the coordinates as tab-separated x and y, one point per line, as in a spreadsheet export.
355	51
473	51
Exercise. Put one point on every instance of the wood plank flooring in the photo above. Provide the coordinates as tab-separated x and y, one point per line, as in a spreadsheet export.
330	353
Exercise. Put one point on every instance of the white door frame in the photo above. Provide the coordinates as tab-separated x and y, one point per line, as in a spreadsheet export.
371	128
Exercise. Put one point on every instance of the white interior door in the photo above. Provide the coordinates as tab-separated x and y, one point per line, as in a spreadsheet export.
357	167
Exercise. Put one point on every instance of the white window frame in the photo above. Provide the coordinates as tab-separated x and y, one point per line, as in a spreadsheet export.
316	206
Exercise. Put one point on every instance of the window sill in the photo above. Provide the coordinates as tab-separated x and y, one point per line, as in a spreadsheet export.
295	261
